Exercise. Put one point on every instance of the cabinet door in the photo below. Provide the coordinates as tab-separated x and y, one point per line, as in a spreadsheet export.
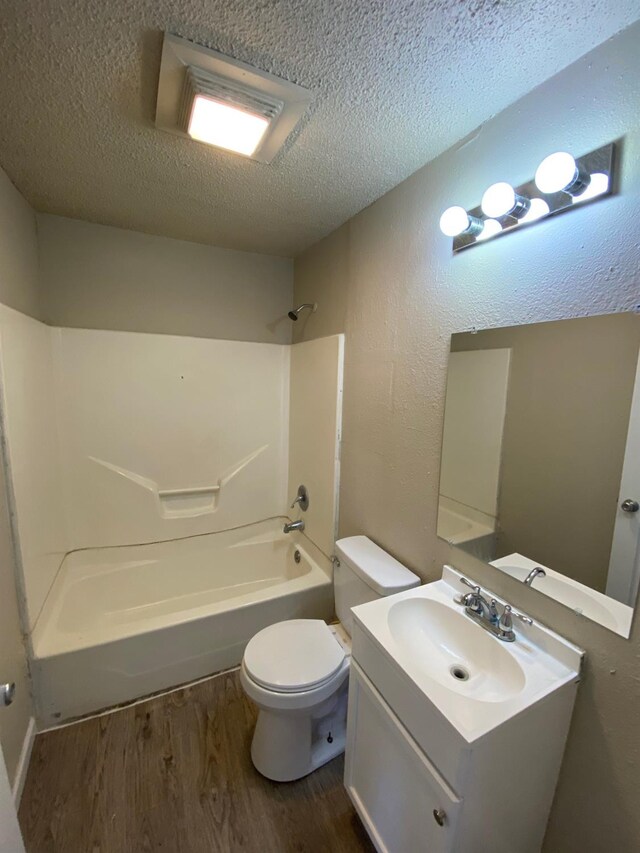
392	784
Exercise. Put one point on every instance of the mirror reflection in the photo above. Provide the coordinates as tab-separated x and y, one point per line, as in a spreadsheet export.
540	472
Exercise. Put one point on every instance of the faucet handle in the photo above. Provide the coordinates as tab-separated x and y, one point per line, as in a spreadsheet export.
301	498
472	586
506	622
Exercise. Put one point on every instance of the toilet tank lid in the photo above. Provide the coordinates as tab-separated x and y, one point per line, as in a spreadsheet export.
379	570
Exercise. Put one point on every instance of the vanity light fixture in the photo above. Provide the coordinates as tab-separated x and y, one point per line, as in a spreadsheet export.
208	97
561	183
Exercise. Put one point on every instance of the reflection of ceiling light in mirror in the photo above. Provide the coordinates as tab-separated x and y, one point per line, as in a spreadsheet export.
599	184
226	126
538	209
490	229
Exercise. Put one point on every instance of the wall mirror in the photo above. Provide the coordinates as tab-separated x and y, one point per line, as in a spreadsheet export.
540	460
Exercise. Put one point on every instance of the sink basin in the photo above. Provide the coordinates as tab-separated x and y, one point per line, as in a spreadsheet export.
455	651
580	598
474	680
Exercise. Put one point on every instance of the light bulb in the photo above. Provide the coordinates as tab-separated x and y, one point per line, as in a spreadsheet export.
599	184
538	209
499	199
502	200
559	172
454	221
490	229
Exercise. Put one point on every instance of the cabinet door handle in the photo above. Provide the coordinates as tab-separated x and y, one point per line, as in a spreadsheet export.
440	816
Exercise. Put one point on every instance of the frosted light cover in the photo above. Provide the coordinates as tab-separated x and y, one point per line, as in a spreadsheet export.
454	221
498	200
556	172
226	126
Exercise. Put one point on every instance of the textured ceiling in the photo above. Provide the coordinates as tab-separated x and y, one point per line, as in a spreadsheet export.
396	83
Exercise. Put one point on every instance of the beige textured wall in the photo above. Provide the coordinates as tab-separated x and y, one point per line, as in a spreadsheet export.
564	440
403	294
18	287
99	277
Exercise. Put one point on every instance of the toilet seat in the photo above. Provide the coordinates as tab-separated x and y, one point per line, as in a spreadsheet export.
295	656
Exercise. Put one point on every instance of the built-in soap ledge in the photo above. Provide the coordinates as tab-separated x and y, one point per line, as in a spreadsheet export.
186	502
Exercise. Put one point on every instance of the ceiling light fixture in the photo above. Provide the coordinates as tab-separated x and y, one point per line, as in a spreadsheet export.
212	98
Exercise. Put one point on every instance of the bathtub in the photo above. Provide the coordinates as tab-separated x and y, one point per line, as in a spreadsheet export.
467	528
121	623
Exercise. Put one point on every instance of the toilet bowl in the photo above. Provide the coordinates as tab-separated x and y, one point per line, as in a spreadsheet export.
297	671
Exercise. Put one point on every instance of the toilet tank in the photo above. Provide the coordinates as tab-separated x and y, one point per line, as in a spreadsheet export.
364	572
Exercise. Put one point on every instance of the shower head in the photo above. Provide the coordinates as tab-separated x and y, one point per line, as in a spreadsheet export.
293	315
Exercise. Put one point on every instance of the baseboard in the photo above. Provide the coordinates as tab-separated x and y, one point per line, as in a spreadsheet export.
23	762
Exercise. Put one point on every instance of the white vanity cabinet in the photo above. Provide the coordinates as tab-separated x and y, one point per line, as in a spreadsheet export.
402	799
421	786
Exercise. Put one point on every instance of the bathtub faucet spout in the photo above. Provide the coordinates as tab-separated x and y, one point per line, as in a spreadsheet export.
293	525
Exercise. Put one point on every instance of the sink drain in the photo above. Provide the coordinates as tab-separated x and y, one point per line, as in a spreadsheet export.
459	673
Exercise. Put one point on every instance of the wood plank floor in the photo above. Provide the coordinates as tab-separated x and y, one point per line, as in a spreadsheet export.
174	774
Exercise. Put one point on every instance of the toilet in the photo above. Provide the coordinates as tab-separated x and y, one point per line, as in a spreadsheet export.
297	672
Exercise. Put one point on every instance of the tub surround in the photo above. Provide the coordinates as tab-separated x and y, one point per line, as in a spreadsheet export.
117	439
315	424
120	438
18	287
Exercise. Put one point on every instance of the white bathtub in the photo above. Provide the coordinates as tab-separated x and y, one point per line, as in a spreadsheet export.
120	623
466	528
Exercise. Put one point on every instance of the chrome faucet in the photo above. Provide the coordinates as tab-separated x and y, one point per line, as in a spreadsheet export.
533	574
290	526
301	498
486	613
476	602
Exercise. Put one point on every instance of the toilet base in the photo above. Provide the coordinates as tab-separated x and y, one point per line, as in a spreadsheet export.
287	746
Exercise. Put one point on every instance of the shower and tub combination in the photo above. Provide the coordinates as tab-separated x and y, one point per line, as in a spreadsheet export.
152	478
